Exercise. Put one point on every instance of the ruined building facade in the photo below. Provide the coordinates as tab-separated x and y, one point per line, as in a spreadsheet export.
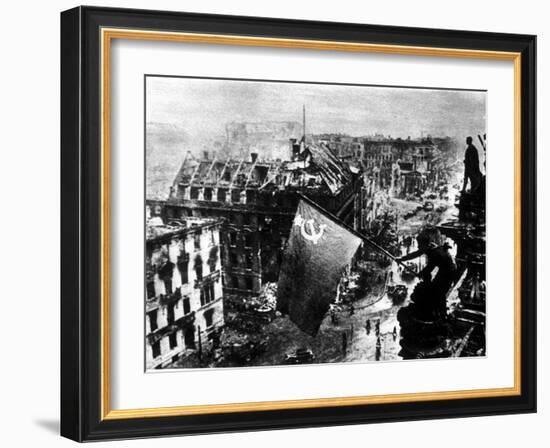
257	200
404	167
184	303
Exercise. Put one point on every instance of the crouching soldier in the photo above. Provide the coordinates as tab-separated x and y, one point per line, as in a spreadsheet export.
438	256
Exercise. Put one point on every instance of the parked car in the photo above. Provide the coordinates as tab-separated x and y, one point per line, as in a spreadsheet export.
246	351
266	313
428	206
300	356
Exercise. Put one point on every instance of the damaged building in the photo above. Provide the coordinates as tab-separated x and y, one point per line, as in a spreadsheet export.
404	167
257	199
184	303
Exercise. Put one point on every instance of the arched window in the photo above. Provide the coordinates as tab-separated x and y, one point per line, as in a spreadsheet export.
198	267
213	258
183	267
165	274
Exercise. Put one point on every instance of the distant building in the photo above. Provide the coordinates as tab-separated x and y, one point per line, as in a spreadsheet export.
184	303
343	146
270	138
401	166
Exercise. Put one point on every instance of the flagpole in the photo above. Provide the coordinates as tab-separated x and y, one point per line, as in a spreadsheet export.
355	232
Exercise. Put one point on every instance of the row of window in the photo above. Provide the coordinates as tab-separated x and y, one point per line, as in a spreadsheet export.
239	282
221	196
188	335
207	294
236	219
188	339
165	272
236	196
248	238
236	261
170	313
197	238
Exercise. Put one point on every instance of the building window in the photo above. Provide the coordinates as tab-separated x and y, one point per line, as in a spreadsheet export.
235	196
198	267
213	258
173	338
156	349
168	285
235	281
153	320
186	306
189	338
233	259
236	219
249	239
250	196
183	267
233	238
212	292
207	294
165	274
197	240
249	283
209	317
171	316
150	289
249	260
208	194
221	195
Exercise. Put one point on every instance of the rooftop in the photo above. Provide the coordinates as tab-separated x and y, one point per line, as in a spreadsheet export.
157	230
313	166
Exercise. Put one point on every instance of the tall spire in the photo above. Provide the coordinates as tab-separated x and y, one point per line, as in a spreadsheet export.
304	121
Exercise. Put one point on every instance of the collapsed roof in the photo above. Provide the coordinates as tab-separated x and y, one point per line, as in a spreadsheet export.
313	167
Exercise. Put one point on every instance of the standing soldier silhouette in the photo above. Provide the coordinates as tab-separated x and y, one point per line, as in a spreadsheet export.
471	167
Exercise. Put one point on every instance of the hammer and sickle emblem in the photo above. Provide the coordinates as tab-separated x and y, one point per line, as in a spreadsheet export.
307	229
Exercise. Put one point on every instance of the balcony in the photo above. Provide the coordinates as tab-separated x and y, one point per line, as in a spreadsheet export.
185	321
166	299
209	278
182	322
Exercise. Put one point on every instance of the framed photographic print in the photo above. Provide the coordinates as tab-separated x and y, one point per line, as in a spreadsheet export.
273	223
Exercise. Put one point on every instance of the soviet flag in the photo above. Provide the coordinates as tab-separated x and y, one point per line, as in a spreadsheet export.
318	250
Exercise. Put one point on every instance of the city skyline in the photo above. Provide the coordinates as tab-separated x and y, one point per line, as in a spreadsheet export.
201	108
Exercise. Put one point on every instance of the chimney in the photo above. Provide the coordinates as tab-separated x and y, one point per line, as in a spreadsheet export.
304	121
253	156
292	144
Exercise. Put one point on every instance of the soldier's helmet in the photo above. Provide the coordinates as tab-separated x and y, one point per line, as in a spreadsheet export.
429	238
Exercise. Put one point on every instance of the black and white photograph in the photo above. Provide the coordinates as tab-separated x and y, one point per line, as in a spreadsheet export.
298	223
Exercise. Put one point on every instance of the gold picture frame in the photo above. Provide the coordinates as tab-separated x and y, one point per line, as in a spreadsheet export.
106	32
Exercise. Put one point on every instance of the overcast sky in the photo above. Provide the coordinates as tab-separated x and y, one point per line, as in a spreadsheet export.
204	106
